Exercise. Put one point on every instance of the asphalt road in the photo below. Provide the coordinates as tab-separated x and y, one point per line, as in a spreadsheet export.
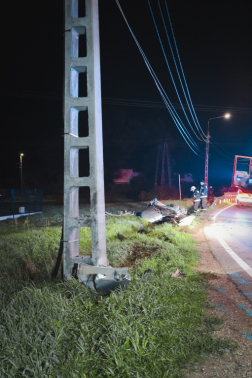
230	240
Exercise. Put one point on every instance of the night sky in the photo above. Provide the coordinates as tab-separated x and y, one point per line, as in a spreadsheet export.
214	42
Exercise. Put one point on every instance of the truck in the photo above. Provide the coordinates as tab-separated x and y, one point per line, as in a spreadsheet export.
242	179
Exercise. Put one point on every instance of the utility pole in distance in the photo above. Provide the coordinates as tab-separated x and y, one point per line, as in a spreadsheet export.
21	170
227	115
207	155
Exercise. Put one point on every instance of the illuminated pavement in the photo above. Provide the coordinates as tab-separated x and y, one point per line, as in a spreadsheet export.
230	240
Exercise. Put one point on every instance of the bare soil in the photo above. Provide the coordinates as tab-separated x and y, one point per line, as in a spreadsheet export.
237	321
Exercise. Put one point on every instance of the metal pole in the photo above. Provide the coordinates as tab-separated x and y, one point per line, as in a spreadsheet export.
156	175
35	200
29	205
179	188
12	202
21	170
41	194
207	155
168	164
207	146
163	171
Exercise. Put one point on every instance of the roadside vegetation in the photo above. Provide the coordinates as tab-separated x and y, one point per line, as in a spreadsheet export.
154	328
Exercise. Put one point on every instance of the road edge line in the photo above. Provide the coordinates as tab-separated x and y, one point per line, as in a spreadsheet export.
229	250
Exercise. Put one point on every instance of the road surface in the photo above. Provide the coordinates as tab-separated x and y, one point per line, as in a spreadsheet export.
230	240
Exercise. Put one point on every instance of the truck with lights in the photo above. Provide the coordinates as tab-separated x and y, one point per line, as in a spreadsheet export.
242	179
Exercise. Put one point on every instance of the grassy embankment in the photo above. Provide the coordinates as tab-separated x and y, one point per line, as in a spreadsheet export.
53	329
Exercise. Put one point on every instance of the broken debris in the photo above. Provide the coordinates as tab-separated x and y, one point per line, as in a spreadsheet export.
178	274
120	236
140	229
157	211
146	272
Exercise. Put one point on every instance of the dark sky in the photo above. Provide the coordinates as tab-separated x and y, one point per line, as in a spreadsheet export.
214	42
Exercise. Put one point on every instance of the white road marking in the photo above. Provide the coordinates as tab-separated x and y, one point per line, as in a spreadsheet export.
215	216
229	250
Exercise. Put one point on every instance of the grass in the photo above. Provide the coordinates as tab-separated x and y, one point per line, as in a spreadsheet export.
54	329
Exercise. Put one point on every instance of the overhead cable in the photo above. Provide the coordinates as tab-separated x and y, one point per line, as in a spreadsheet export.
221	152
124	102
166	100
213	142
169	69
182	129
182	71
159	104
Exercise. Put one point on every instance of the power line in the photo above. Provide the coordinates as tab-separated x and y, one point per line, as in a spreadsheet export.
217	144
125	102
174	39
189	105
221	152
168	66
160	105
184	132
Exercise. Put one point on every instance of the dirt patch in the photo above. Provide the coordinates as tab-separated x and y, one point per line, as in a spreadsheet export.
235	311
138	251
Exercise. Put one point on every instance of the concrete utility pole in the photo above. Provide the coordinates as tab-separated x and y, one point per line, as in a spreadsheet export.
156	174
207	155
82	73
163	149
227	115
179	187
82	96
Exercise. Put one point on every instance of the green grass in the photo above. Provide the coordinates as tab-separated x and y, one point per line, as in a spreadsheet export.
53	329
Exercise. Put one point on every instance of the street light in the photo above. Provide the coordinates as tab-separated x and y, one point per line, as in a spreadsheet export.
227	115
21	170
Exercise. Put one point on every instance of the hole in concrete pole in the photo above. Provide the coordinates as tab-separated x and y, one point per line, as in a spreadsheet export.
74	162
78	8
74	120
79	162
84	197
85	246
79	121
74	242
78	42
82	8
79	202
84	164
78	82
74	202
74	8
82	84
83	123
82	45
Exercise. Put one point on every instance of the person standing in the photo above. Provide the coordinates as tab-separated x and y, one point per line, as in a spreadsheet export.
203	195
196	198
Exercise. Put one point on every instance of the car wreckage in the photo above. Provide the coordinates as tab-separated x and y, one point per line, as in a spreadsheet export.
157	211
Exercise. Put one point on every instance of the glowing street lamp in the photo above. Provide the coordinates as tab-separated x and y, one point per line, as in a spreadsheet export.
21	170
227	115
